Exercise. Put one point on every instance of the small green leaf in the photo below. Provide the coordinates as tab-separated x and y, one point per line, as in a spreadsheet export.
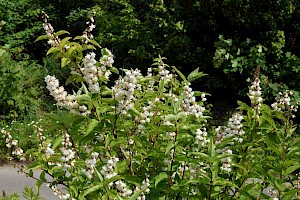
42	37
56	142
114	70
61	33
91	126
64	62
179	73
194	75
199	154
289	195
74	77
243	106
64	41
169	147
78	38
74	189
134	112
93	189
136	194
99	175
291	169
113	179
53	50
95	43
161	176
83	98
42	176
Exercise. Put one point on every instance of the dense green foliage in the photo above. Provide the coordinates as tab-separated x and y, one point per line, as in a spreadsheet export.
20	83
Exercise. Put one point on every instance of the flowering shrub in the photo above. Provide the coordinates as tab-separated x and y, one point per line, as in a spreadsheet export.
149	137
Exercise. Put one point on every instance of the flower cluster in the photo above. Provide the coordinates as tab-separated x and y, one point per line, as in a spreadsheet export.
40	136
183	167
46	147
147	113
171	134
189	105
107	59
108	170
123	91
201	137
59	193
198	169
283	102
90	72
226	162
68	154
49	151
122	188
54	40
62	98
90	164
87	35
233	129
145	186
12	144
255	93
164	73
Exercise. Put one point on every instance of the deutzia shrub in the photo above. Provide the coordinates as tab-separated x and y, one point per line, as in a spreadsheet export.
149	137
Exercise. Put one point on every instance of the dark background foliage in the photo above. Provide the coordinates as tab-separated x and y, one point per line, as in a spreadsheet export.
186	32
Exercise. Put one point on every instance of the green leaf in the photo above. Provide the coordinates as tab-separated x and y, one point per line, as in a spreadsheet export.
243	106
83	98
93	189
268	119
74	189
169	147
179	73
64	62
53	50
161	176
42	176
61	32
134	112
95	43
42	37
78	38
194	75
56	142
136	194
224	182
93	123
199	154
113	179
114	70
289	195
74	77
291	169
99	175
161	87
105	91
64	41
34	165
132	179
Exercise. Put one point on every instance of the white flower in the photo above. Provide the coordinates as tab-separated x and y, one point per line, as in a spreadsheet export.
90	72
189	105
123	91
201	137
255	96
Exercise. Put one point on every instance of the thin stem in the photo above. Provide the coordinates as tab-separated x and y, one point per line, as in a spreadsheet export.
210	187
